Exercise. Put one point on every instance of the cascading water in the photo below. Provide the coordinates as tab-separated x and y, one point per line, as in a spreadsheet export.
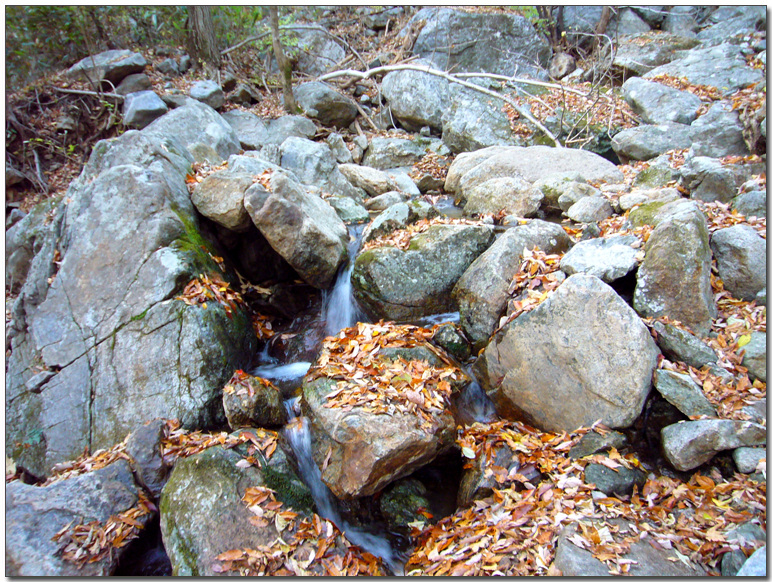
340	309
298	435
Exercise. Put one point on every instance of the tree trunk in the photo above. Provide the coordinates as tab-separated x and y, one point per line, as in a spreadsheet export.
285	67
600	28
202	44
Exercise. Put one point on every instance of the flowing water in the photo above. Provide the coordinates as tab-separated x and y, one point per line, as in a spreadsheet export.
339	308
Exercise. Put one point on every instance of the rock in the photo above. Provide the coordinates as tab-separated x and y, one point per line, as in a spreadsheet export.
405	183
144	447
512	195
140	109
580	21
620	481
584	327
395	217
649	141
360	452
33	515
245	94
561	65
185	63
732	22
756	565
372	181
680	20
301	227
641	196
681	346
416	98
168	67
751	203
747	536
594	442
692	443
709	180
288	126
394	284
318	52
393	152
755	358
251	401
253	132
477	481
323	103
658	173
220	197
339	149
401	503
348	209
477	41
384	201
111	66
471	121
467	161
718	133
640	52
133	84
211	484
647	559
674	278
451	338
208	92
194	124
683	393
651	15
252	165
608	259
555	186
629	23
721	66
482	291
22	242
741	256
657	103
747	459
590	209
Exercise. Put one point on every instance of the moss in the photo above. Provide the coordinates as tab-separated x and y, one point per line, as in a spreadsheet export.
646	214
289	490
140	316
194	246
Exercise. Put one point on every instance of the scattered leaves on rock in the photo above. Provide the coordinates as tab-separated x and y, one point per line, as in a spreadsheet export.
401	238
211	288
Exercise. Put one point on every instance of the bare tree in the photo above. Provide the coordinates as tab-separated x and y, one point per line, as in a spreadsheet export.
202	43
285	66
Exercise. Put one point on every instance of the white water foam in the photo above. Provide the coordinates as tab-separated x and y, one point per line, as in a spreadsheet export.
339	308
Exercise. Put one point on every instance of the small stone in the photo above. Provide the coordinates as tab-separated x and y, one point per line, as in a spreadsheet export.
755	358
747	458
620	481
683	393
594	442
208	92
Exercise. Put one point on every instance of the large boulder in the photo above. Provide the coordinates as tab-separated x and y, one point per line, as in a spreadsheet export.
112	66
93	325
34	515
372	181
208	92
582	345
301	227
689	444
141	108
681	346
683	393
674	277
649	141
385	153
254	132
733	21
710	180
639	53
416	98
741	255
318	51
511	195
718	133
325	104
482	291
658	103
468	42
394	284
220	197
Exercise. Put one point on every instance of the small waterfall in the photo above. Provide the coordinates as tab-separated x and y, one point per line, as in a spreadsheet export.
473	403
339	308
299	437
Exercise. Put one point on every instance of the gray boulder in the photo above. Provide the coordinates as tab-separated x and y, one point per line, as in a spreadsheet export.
416	98
692	443
721	66
751	203
140	109
674	278
741	256
384	201
33	515
348	209
590	209
755	358
681	346
709	180
23	241
393	152
145	449
199	128
718	133
619	481
394	284
250	401
683	393
372	181
608	259
208	92
318	52
747	459
512	195
220	197
482	291
325	104
395	217
587	345
657	103
254	132
649	141
640	52
629	23
112	66
301	227
245	94
339	148
733	21
756	565
644	196
658	173
745	536
133	84
168	67
481	42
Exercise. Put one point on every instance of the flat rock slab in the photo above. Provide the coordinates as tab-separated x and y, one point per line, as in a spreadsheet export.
689	444
607	258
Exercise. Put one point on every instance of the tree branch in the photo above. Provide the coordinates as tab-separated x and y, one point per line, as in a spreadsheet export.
451	78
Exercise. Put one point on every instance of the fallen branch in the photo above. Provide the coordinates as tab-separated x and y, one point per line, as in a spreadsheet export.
92	93
451	78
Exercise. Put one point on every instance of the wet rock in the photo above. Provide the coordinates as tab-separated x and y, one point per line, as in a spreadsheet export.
252	401
477	482
402	503
481	292
755	358
681	346
674	278
657	103
590	209
112	66
689	444
301	227
134	83
594	442
607	258
741	255
649	141
35	514
620	481
208	92
144	448
451	338
325	104
512	195
416	98
683	393
641	51
372	181
610	374
718	133
394	284
220	197
747	458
